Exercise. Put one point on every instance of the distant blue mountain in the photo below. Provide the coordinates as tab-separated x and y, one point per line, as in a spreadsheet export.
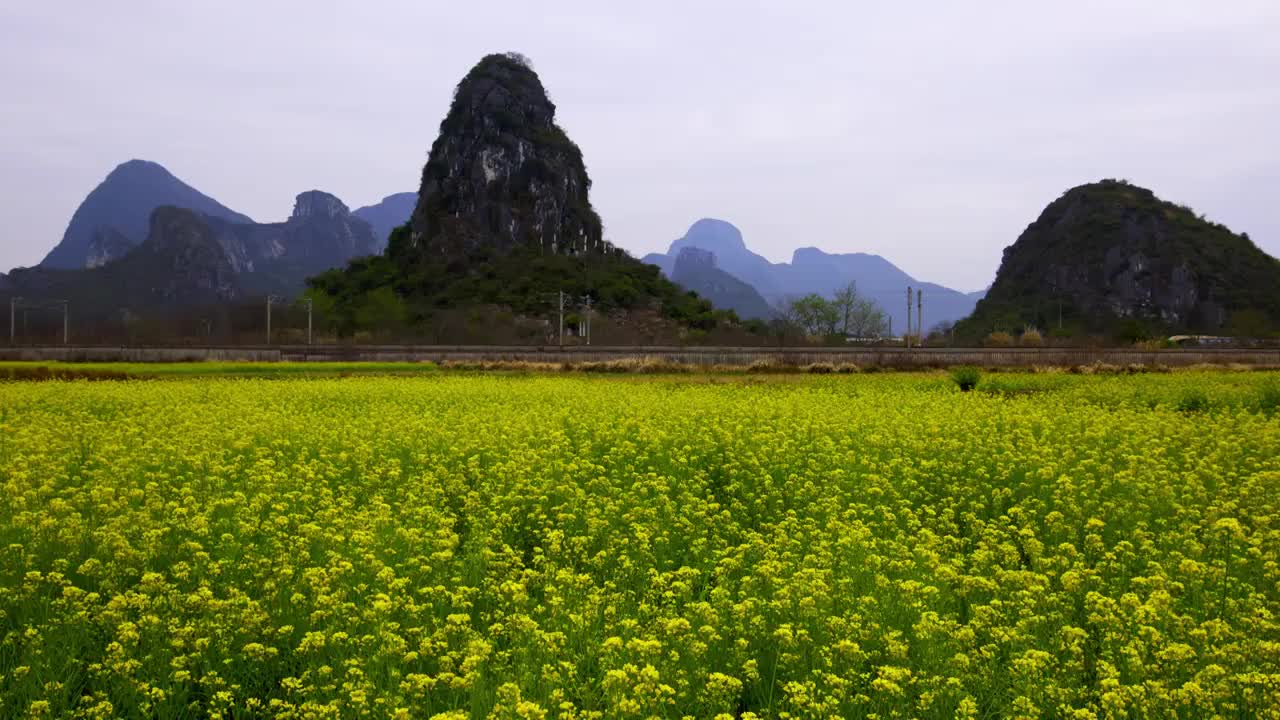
695	269
814	271
392	212
117	213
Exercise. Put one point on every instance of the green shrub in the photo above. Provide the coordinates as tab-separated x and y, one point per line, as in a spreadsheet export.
1193	400
966	377
1269	398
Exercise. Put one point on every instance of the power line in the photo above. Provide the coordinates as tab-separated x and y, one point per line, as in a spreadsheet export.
18	301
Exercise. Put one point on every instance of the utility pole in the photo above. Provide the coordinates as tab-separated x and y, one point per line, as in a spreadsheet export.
66	321
13	319
309	304
907	335
920	315
560	297
270	299
587	300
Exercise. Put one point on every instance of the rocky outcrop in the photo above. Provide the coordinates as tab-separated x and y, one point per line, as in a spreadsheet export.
502	175
118	210
1111	251
695	269
317	204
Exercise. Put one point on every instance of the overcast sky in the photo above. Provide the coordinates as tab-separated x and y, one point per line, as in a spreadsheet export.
929	132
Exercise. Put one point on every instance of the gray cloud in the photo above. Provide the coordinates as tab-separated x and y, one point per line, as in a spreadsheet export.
931	133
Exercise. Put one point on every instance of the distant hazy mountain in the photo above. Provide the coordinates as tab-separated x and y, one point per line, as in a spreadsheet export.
814	271
187	258
695	269
392	212
117	212
180	262
732	255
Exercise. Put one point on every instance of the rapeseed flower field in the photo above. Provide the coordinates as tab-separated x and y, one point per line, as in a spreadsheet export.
524	546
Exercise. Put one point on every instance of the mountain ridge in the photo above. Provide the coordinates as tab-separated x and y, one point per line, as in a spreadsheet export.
813	270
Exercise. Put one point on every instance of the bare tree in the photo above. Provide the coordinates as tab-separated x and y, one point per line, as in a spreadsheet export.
858	316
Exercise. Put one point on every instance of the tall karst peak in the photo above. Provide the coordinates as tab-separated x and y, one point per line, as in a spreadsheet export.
1111	252
502	175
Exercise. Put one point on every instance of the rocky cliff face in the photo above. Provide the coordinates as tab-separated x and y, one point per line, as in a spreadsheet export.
502	175
119	209
320	234
317	204
181	260
106	244
1112	251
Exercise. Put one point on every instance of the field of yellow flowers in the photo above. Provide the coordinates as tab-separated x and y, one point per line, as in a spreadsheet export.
454	546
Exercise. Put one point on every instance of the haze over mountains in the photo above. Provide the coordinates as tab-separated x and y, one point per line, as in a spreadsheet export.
389	214
697	270
1105	251
115	215
812	270
502	220
322	234
101	255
